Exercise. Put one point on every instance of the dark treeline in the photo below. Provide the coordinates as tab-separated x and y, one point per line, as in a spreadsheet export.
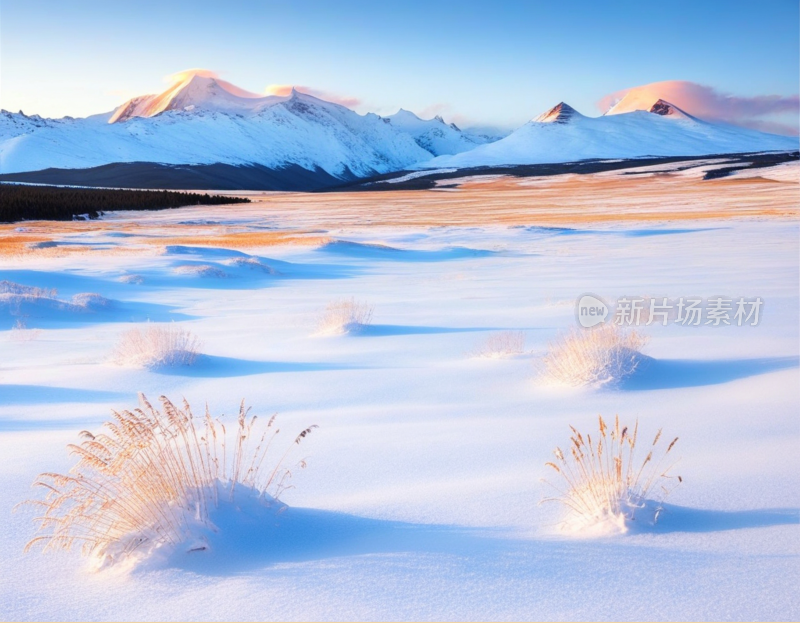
18	203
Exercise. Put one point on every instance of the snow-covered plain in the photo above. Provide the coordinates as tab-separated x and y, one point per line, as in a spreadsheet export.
421	496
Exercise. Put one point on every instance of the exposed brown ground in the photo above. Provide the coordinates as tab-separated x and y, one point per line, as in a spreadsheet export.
565	200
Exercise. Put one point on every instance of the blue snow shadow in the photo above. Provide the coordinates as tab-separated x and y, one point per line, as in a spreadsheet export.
249	535
255	537
677	373
683	519
67	283
44	394
383	330
212	366
383	252
628	233
43	313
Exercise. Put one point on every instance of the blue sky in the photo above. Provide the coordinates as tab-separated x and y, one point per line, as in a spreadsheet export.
475	62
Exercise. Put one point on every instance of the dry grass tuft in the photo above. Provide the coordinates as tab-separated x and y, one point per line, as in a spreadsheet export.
605	487
200	270
604	355
152	476
156	346
133	279
253	263
91	301
9	288
503	344
345	316
21	333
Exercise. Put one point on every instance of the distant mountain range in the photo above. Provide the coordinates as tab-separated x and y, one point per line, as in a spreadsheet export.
204	132
630	129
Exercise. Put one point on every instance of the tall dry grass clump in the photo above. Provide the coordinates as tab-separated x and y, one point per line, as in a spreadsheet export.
604	355
501	345
345	316
605	485
156	346
151	478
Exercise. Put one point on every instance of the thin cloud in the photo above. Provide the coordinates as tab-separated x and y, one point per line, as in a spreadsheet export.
180	76
433	110
761	112
285	89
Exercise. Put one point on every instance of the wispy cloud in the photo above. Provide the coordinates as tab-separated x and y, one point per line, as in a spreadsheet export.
285	89
180	76
768	113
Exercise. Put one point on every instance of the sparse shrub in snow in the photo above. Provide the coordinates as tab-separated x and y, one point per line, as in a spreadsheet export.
9	287
252	263
14	297
603	355
134	279
201	270
606	486
345	316
91	300
503	344
151	478
156	346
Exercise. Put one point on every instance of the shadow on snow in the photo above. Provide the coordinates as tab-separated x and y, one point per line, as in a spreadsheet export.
249	535
683	519
677	373
212	366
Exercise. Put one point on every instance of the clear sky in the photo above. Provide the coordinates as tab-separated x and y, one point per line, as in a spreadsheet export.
496	63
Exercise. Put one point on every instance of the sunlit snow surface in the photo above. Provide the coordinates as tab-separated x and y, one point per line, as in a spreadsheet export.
421	496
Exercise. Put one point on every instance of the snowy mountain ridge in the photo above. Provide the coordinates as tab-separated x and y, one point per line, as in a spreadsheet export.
202	120
633	128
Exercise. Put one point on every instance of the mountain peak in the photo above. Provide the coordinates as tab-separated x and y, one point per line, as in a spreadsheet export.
560	113
665	109
404	114
194	89
648	102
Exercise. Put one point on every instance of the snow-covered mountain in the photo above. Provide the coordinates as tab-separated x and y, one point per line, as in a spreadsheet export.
203	122
203	132
195	91
434	135
631	129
